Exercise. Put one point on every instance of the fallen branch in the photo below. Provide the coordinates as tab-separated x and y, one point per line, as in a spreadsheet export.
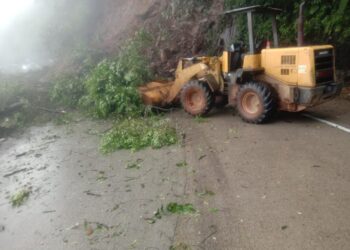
92	194
49	211
52	111
15	172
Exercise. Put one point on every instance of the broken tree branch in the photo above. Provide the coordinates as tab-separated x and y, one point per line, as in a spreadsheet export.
52	111
15	172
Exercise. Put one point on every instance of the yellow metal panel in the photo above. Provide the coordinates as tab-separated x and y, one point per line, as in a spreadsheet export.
291	66
224	61
283	70
252	62
306	67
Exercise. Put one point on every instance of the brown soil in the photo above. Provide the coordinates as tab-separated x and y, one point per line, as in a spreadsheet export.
177	32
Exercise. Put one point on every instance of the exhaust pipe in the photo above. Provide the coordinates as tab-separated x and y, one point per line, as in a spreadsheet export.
301	25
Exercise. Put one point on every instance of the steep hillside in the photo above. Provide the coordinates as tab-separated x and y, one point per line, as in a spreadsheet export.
178	28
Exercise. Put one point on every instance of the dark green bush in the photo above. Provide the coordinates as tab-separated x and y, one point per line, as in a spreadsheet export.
112	85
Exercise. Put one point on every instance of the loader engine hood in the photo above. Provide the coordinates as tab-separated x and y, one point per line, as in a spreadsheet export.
300	66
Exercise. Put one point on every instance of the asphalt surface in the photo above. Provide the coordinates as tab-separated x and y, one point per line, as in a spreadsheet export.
284	185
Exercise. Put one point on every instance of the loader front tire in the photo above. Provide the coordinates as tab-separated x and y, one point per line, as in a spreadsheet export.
197	99
256	102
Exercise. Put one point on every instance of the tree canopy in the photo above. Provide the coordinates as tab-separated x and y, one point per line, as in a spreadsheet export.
326	21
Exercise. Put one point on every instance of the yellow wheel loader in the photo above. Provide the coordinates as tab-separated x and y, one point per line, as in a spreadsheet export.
258	82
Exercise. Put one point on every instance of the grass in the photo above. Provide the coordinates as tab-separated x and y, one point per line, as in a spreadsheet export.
19	198
180	246
172	208
175	208
101	176
181	164
139	133
205	193
134	165
200	119
214	210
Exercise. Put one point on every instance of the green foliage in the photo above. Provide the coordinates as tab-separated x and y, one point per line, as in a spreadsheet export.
181	164
67	90
139	133
180	246
205	193
19	198
200	119
175	208
213	210
172	208
112	85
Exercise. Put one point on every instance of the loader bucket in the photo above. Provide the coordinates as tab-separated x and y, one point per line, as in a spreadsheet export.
164	93
155	93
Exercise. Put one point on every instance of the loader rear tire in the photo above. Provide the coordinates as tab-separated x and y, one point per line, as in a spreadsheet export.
197	99
256	102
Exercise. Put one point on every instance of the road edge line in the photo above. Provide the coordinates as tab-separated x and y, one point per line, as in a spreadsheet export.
332	124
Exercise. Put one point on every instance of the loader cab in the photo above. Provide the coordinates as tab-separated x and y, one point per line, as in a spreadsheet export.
235	57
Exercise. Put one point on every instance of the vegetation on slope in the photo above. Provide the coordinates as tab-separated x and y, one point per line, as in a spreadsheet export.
326	21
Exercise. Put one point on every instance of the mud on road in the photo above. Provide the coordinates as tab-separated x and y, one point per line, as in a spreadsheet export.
278	186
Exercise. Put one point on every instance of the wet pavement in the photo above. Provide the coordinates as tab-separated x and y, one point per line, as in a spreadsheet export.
284	185
81	199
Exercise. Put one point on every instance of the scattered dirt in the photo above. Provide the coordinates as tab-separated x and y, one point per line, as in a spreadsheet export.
177	32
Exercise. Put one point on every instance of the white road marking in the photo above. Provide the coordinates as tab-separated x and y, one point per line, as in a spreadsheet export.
332	124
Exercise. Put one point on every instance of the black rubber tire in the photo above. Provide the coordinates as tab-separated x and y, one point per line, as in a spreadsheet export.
204	98
221	101
264	96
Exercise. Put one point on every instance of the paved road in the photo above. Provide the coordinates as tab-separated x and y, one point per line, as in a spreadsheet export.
283	185
279	186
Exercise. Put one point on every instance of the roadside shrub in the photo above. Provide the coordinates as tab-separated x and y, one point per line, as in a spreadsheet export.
112	85
139	133
11	91
67	90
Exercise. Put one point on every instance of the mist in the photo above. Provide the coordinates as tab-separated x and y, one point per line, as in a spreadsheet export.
161	124
42	31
